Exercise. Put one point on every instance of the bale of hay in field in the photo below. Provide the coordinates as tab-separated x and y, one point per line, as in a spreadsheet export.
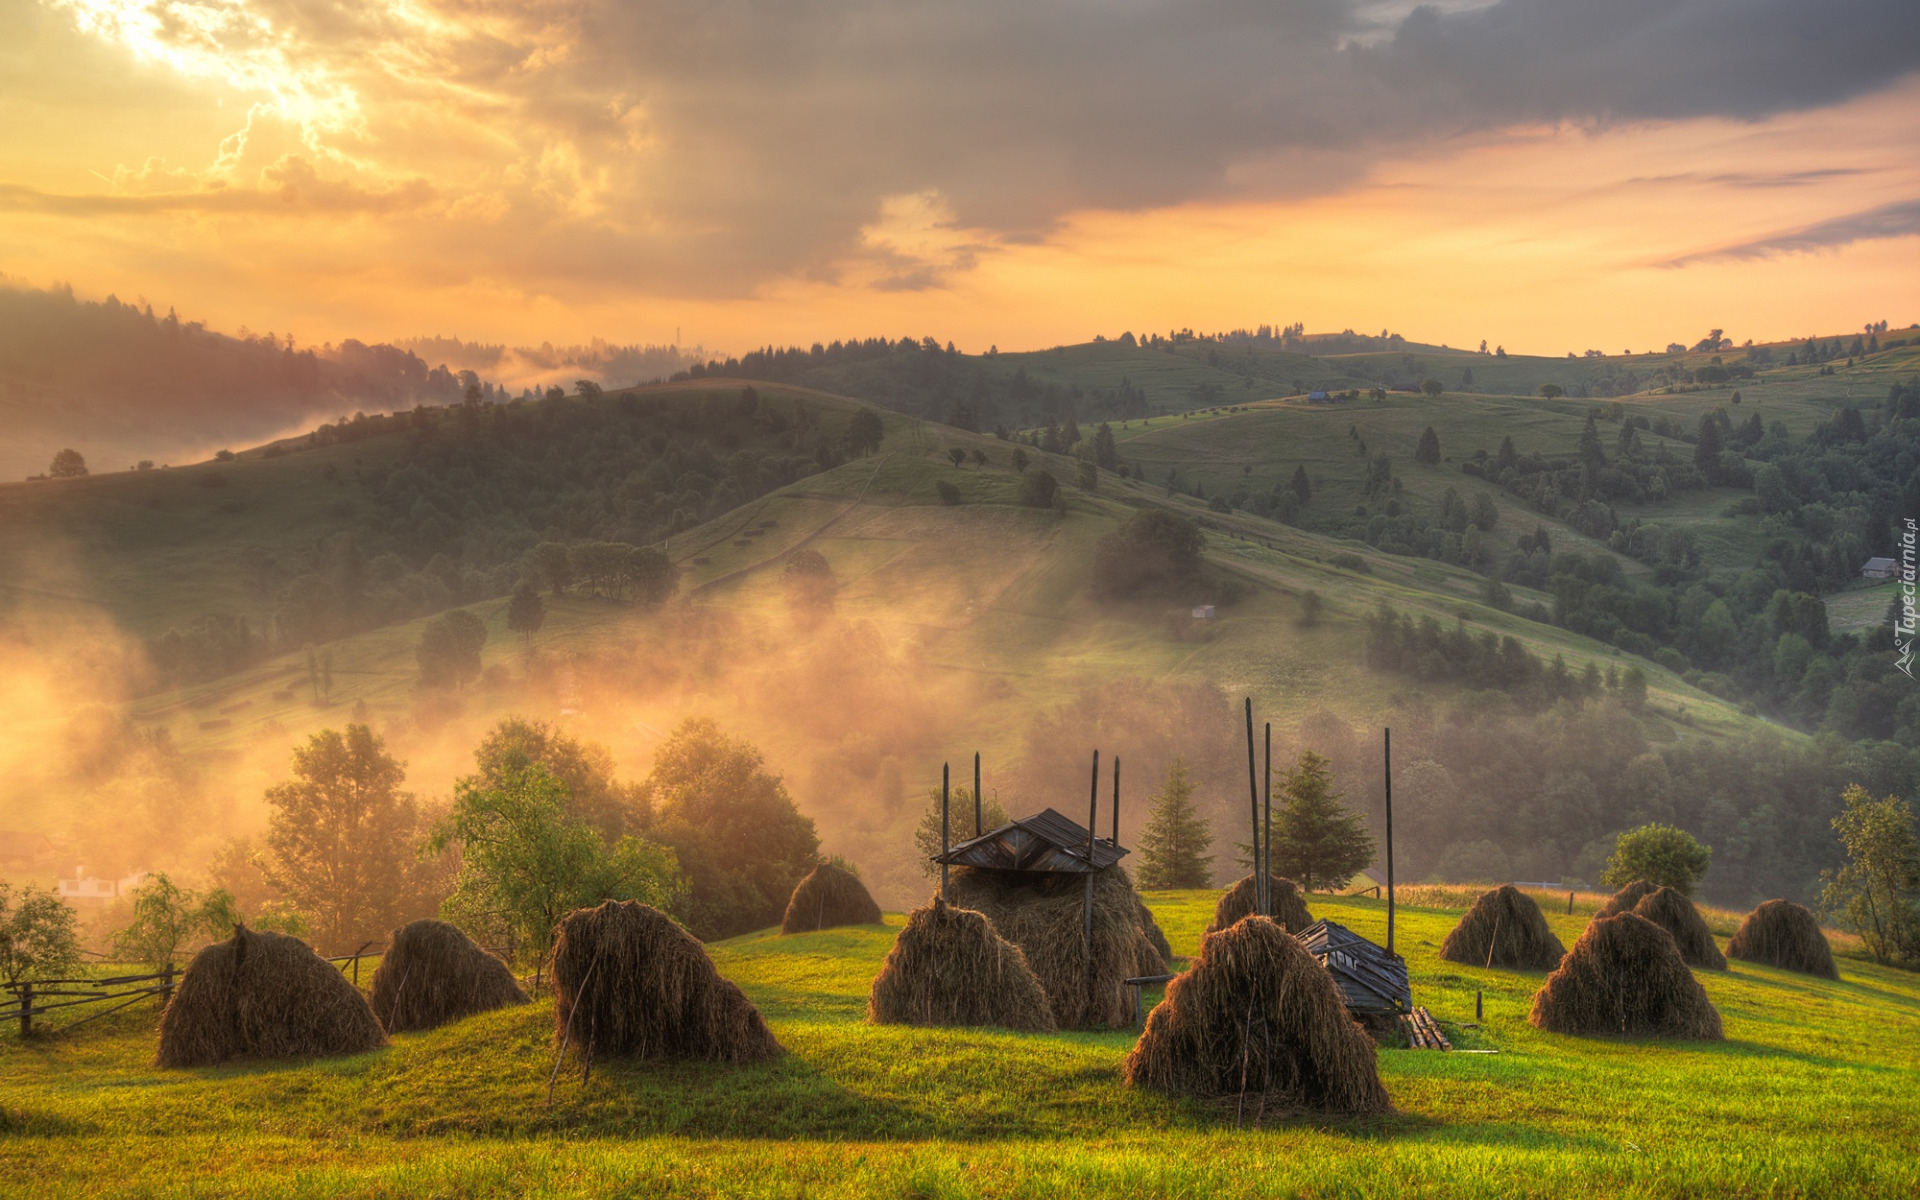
432	973
1625	976
629	982
1043	913
1624	899
949	967
1256	1016
1783	934
263	995
1162	959
827	897
1676	914
1504	928
1289	906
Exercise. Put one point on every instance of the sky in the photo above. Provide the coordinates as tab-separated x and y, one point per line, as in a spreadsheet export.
1550	175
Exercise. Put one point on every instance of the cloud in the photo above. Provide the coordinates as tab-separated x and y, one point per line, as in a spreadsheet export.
1888	221
289	185
706	149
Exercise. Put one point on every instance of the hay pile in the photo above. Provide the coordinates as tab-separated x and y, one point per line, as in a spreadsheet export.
1257	1017
629	981
1676	914
1504	928
827	897
263	995
433	973
1625	975
1042	913
1289	907
949	967
1783	934
1161	960
1624	899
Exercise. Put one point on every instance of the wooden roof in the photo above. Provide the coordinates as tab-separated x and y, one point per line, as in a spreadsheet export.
1046	841
1371	979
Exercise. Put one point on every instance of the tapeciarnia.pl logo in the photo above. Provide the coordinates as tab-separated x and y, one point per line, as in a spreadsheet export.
1903	628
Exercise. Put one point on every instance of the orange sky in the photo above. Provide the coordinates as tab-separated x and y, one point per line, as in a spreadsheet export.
555	171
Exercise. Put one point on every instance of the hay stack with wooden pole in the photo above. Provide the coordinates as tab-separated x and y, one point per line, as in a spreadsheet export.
1783	934
1676	914
1625	976
432	973
1624	899
1046	915
827	897
1288	906
1258	1022
263	995
629	982
1505	929
949	967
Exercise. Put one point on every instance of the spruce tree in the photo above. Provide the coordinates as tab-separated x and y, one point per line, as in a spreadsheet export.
1301	487
1316	841
1173	847
1429	451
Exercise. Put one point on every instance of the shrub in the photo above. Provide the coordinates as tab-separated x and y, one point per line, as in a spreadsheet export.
1661	855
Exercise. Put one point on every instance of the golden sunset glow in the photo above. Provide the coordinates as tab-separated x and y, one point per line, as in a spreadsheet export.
523	172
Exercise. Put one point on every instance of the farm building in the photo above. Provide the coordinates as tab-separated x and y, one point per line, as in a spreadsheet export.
1044	842
1372	979
1878	568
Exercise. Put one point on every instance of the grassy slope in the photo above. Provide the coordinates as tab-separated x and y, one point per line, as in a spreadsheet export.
1810	1095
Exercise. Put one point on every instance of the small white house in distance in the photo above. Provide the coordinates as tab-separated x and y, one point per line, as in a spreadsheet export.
89	891
1319	398
1203	612
1877	568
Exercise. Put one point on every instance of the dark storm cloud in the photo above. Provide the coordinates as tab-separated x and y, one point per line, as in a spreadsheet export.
1888	221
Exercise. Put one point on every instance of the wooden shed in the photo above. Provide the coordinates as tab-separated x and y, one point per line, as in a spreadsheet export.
1372	979
1044	842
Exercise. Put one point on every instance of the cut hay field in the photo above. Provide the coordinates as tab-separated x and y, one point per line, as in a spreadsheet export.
1811	1095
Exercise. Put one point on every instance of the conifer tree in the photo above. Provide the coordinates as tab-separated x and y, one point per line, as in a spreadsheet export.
1316	841
1174	844
1429	450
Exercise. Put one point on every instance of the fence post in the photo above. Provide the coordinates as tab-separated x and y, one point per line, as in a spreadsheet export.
26	1010
166	988
1569	903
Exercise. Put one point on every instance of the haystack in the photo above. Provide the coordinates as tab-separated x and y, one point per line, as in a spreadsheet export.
1043	913
949	967
1624	975
1504	928
263	995
1289	907
1162	960
827	897
1783	934
1257	1017
1676	914
433	973
1628	896
628	981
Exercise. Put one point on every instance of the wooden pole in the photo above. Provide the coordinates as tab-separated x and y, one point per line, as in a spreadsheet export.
1116	802
26	1010
1266	827
1253	801
977	831
946	839
1093	815
1388	743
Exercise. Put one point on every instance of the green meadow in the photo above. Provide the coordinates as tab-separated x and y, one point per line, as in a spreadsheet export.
1810	1095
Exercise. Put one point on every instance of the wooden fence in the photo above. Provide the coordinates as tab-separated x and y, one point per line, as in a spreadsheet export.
38	997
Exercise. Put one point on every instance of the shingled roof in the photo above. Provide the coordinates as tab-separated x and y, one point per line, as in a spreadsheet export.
1045	841
1371	979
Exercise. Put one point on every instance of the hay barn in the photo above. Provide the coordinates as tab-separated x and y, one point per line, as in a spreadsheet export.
1372	979
1506	929
949	967
433	973
1257	1022
629	982
828	897
1030	877
263	995
1625	976
1783	934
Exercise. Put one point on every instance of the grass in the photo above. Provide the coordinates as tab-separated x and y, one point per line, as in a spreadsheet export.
1810	1095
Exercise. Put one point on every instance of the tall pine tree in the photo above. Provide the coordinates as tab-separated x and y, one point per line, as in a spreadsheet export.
1173	847
1316	841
